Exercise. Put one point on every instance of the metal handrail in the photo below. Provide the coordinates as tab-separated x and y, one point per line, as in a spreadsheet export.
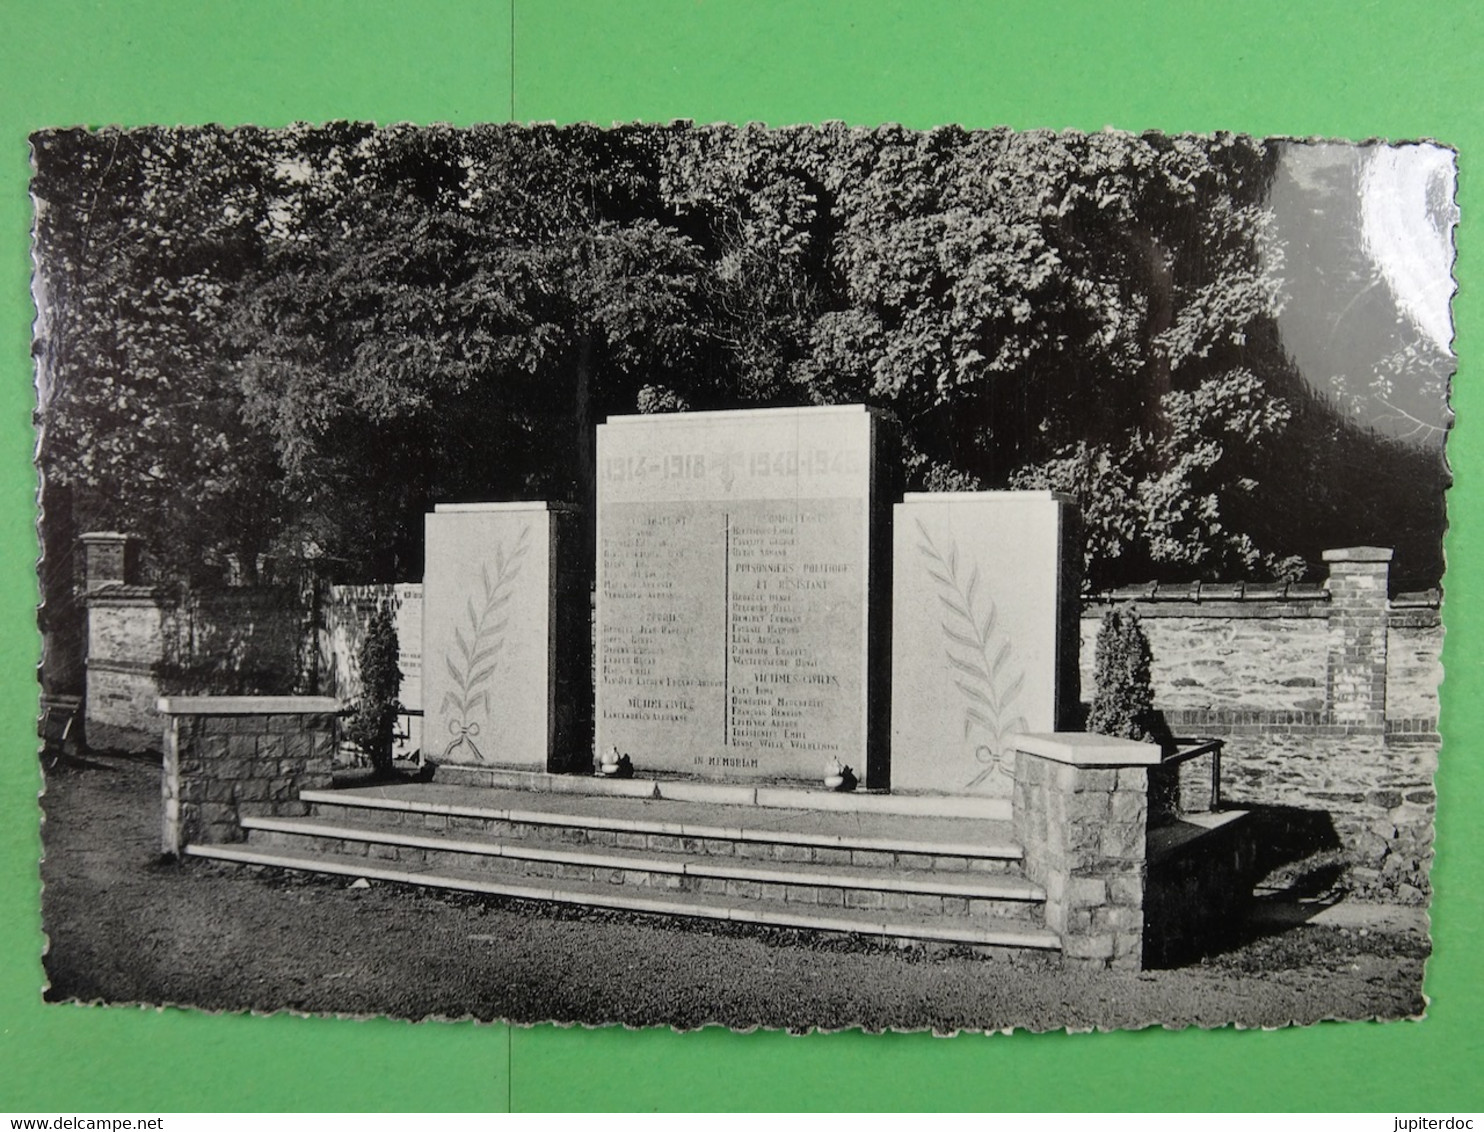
1183	749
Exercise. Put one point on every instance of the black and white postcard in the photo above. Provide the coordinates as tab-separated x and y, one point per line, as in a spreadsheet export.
805	578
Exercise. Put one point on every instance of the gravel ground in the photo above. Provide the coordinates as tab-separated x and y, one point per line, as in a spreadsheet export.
126	925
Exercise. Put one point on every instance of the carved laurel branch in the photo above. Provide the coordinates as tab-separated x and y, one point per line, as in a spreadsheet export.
978	653
476	653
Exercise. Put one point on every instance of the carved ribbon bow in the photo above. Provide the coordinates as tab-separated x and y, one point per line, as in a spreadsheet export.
462	733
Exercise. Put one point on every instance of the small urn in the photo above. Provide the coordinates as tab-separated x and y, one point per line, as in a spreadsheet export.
834	775
615	765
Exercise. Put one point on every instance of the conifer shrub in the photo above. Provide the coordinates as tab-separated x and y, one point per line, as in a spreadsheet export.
372	725
1123	703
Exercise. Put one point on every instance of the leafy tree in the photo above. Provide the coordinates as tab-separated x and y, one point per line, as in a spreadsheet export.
144	239
757	202
1090	313
444	310
306	337
1071	311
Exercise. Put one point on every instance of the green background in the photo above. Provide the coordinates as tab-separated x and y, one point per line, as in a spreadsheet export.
1347	69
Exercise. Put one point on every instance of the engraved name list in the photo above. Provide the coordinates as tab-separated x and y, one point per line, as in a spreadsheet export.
732	600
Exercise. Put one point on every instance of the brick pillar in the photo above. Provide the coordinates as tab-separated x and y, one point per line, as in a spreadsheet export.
1080	811
1355	680
110	559
230	756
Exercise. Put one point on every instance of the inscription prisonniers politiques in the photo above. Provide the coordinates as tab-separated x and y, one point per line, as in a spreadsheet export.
734	577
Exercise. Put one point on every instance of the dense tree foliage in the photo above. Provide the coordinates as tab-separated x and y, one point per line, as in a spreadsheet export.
435	317
304	338
143	242
1081	312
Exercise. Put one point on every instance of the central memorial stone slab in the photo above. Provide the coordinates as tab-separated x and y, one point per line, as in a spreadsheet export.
738	557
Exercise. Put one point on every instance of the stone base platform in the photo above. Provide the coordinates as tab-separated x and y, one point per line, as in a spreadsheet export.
1078	869
1201	872
779	796
616	845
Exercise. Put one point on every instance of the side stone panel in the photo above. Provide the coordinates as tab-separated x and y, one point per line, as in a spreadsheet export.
984	643
503	669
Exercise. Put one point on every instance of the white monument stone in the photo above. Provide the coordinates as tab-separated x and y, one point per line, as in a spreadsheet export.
504	656
984	634
737	557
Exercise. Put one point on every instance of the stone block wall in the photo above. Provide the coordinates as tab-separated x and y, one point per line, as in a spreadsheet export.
231	756
126	633
1083	831
1276	659
1125	887
1375	798
144	642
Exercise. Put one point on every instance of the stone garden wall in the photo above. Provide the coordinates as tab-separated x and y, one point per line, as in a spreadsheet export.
228	757
1328	699
125	649
144	642
239	641
1266	659
344	614
1369	803
1257	655
1414	669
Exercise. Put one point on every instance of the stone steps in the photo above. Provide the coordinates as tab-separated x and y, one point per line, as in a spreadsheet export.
980	895
871	923
687	828
928	877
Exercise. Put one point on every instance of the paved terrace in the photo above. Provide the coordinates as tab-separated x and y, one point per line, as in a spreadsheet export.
888	832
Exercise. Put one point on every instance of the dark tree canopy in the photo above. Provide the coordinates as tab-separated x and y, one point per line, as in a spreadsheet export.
144	241
300	340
